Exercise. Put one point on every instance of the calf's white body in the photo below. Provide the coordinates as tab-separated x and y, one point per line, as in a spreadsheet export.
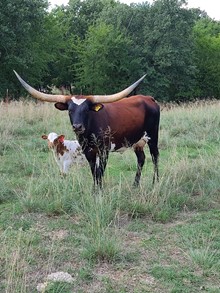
66	152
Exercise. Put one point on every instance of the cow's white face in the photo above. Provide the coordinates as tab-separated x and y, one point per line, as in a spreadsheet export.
77	101
79	109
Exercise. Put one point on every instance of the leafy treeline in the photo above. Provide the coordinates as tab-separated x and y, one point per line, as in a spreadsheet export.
101	46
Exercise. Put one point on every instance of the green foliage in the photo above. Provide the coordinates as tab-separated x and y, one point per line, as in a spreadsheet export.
60	50
207	36
105	60
21	26
101	46
168	47
82	14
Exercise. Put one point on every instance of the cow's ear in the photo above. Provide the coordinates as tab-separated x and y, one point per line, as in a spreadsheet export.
97	107
61	106
44	136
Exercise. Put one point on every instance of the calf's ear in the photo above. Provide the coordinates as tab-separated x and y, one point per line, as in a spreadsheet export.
61	138
44	136
61	106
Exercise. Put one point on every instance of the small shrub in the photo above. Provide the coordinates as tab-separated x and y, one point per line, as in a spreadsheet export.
102	248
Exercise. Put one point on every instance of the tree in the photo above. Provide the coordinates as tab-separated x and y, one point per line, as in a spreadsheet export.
106	60
207	37
21	26
60	50
129	21
168	48
68	27
101	46
82	14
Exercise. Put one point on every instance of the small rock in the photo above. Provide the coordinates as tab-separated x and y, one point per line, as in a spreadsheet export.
41	287
60	277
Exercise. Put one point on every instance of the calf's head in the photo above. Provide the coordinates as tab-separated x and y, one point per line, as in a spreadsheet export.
53	139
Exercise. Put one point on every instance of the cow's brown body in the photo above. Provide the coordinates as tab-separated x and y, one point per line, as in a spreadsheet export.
115	125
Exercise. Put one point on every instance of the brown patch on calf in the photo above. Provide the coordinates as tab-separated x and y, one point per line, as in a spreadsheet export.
60	147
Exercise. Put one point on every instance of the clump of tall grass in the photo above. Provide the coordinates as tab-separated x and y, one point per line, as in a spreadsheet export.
200	242
51	193
16	259
99	213
191	125
184	185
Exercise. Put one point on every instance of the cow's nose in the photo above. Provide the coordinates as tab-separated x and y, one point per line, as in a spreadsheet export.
78	127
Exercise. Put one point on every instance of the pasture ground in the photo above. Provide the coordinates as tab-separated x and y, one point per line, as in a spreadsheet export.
162	238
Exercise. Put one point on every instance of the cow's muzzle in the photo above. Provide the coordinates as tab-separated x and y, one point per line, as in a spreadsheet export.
78	128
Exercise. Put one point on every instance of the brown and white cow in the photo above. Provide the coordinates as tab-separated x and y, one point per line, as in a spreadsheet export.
66	152
110	122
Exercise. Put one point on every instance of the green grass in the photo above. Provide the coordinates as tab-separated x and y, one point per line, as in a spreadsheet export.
161	238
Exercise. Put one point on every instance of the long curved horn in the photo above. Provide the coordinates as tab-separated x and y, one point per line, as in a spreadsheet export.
41	96
117	96
63	98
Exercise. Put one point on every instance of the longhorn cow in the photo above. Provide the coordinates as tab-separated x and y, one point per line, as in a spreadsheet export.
104	123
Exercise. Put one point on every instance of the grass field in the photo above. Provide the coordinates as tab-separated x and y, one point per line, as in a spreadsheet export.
162	238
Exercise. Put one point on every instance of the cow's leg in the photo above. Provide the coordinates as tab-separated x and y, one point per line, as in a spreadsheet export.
97	162
99	170
101	161
140	163
96	174
155	156
91	158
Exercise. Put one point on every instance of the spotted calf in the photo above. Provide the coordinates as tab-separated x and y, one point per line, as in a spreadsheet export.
66	152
